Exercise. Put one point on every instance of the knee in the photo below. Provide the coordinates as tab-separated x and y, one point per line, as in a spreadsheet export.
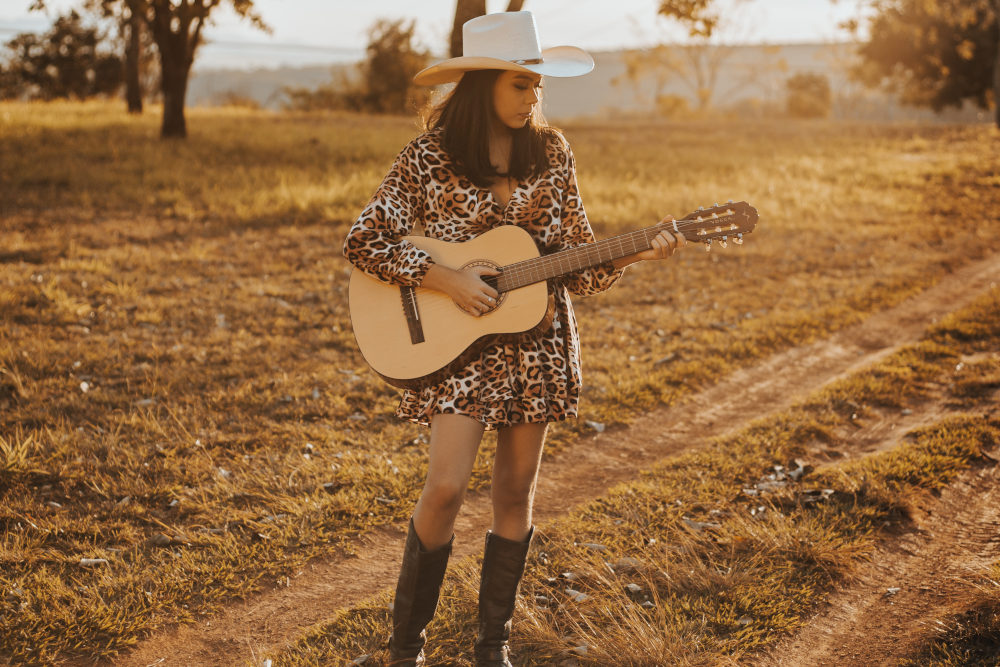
513	497
443	498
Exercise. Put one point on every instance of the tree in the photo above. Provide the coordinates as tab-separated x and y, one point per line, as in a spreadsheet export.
385	81
696	65
697	14
66	62
935	53
470	9
393	60
809	95
134	35
176	27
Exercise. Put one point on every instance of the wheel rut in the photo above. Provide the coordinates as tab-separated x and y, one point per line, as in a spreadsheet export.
243	631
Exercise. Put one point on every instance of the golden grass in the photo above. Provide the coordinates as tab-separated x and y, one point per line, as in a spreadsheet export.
970	638
707	559
180	393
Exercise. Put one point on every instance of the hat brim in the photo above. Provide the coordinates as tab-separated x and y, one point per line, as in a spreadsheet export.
564	61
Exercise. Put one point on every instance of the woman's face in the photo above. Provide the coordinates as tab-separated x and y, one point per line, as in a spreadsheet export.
515	95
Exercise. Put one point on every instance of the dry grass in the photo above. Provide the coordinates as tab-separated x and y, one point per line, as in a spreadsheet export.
708	558
180	393
972	637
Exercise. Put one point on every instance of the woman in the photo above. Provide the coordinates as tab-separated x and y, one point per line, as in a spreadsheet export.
487	159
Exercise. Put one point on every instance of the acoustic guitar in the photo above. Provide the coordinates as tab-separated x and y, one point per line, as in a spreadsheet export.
413	336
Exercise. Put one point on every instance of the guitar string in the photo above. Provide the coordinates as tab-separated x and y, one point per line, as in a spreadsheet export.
536	269
518	270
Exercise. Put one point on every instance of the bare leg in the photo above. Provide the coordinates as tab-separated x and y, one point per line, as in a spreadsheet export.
515	473
454	443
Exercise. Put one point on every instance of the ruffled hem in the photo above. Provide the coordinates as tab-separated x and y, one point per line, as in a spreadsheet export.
505	385
511	413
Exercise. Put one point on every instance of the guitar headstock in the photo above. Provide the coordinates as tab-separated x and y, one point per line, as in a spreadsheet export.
728	222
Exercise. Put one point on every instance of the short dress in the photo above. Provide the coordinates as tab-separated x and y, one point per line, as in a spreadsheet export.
513	380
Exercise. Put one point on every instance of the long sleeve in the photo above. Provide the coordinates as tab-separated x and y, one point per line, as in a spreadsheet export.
576	231
374	243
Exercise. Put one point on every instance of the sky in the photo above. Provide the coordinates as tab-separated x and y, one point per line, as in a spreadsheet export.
309	32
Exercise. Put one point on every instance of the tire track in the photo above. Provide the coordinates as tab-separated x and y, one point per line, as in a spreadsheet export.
245	630
913	582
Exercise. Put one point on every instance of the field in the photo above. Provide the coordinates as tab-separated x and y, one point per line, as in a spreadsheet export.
195	461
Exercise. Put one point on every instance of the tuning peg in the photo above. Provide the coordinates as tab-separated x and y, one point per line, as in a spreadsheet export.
716	204
723	242
708	245
738	240
730	201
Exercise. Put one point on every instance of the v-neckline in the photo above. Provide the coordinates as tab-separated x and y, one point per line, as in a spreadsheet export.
514	184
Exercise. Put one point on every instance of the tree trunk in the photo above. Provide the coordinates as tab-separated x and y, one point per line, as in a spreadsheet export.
996	69
133	53
515	5
174	86
464	10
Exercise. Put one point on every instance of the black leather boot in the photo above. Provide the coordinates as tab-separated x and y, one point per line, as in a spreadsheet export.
503	565
417	593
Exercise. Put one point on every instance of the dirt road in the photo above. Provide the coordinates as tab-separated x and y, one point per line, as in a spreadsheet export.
244	631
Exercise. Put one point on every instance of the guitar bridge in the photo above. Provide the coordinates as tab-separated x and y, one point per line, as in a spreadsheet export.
409	298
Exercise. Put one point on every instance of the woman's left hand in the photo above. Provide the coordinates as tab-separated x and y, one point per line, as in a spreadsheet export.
663	245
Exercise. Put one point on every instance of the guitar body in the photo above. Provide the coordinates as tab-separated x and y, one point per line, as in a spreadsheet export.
386	338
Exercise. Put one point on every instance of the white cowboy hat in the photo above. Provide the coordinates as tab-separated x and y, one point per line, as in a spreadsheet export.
506	40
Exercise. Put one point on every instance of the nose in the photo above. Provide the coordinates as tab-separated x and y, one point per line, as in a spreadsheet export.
533	95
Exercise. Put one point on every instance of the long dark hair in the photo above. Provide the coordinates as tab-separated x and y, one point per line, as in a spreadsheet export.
464	117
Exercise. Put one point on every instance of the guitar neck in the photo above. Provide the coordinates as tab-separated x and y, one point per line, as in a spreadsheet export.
546	267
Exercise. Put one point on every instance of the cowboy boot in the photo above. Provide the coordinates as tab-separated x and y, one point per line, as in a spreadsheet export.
417	592
503	565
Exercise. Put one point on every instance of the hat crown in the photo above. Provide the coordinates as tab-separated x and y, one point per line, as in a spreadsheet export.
505	35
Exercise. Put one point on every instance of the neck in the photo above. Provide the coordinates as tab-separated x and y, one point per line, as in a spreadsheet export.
500	147
560	263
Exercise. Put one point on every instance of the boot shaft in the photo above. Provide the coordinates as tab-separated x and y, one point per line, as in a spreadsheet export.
503	567
417	592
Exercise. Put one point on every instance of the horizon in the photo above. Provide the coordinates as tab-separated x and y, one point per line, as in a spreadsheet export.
298	38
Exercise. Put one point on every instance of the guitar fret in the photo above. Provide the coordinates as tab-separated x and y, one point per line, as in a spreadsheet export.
570	260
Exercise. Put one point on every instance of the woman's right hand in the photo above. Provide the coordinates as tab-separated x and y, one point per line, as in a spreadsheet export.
465	286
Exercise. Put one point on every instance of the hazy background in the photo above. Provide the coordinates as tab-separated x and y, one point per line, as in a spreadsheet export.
314	32
758	45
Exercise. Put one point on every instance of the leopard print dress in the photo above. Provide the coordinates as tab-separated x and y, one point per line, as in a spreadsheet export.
534	378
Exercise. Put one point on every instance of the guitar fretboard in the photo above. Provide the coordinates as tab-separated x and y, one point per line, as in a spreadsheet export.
537	269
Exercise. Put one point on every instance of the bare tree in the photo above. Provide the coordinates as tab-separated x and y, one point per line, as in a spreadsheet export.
176	27
133	28
697	65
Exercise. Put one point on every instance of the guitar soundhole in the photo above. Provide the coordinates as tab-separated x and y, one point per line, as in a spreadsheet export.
489	280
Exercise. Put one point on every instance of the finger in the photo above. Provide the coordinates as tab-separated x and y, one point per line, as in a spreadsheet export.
669	242
658	245
681	240
485	270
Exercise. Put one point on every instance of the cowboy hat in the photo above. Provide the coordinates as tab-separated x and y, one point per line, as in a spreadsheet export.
509	41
